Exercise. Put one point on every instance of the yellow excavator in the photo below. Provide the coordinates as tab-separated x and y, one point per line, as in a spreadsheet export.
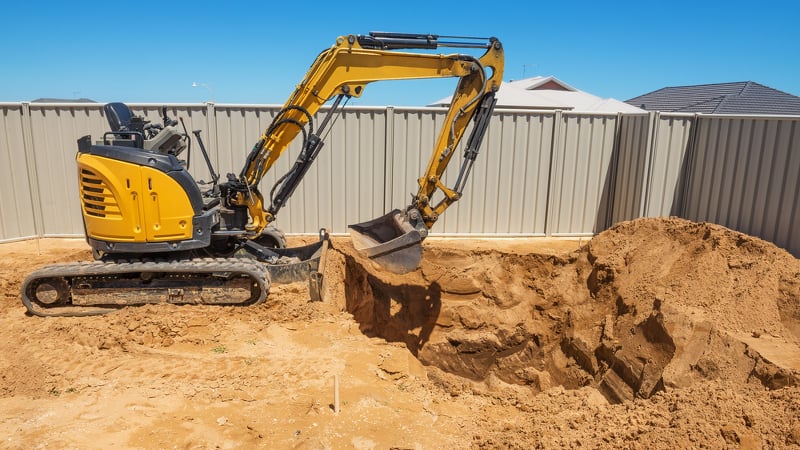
159	236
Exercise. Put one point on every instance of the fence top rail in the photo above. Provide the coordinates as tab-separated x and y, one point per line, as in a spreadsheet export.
563	112
674	114
748	116
720	116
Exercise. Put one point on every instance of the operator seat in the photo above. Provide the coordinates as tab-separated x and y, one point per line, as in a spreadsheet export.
118	115
124	124
121	118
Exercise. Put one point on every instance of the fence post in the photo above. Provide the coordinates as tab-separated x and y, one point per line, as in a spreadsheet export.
388	160
30	166
211	128
611	182
649	152
688	167
554	176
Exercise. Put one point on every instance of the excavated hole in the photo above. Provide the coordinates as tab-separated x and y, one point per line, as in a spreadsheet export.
532	321
789	302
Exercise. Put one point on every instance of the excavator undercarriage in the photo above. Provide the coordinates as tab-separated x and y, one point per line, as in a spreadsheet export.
97	287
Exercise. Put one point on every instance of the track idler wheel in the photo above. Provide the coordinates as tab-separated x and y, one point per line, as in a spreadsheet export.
50	291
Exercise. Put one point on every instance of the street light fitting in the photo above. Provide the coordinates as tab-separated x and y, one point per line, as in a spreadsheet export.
207	86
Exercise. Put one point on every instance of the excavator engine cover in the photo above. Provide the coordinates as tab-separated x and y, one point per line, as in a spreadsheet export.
390	240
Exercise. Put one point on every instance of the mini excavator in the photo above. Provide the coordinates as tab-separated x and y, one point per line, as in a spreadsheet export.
159	236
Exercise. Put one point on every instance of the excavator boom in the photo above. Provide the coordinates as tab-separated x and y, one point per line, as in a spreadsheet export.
343	71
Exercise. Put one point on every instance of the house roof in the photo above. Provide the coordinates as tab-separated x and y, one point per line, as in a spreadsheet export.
744	97
62	100
550	93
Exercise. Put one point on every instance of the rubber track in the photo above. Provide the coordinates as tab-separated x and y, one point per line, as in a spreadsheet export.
255	270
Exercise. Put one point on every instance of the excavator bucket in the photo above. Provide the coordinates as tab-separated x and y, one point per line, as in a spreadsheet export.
390	241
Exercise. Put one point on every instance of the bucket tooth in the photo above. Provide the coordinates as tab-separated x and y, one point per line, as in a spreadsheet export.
390	241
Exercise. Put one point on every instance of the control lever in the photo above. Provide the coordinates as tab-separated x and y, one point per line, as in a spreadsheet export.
167	121
214	176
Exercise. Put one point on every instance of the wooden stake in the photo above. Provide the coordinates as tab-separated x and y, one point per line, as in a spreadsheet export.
336	394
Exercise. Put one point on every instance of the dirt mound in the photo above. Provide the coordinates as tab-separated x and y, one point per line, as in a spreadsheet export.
646	305
658	333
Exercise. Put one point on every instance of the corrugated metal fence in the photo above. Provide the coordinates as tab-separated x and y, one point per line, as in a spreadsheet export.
549	173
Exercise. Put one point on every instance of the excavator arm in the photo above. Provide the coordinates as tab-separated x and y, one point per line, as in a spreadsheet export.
343	71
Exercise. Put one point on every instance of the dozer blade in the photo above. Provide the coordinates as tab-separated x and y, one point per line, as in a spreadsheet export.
301	264
390	241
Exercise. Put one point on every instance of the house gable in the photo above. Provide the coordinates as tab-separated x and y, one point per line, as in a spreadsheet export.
550	93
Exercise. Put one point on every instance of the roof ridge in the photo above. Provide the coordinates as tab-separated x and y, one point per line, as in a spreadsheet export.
722	102
709	100
729	83
744	88
725	98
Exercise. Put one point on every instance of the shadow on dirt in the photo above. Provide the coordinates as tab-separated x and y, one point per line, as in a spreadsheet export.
404	313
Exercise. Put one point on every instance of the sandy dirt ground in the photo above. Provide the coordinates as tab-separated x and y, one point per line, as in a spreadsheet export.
657	333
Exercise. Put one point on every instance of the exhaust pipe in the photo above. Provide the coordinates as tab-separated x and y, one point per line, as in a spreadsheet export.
390	240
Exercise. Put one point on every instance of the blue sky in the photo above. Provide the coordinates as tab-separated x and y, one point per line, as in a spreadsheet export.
257	51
